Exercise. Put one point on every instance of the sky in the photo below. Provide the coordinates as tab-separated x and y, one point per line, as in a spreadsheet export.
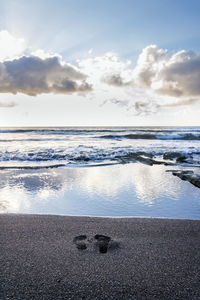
99	63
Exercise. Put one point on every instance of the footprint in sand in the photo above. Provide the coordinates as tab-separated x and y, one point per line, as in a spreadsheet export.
103	242
80	242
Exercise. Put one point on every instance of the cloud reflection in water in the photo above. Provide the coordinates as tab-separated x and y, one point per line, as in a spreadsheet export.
120	190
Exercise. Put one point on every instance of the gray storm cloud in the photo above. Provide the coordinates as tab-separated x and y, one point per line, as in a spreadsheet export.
33	75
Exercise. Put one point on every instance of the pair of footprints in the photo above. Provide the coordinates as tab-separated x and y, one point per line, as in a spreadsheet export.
103	242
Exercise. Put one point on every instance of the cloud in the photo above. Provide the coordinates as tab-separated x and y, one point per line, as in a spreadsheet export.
117	80
108	69
181	103
160	78
33	75
176	75
138	107
10	46
7	104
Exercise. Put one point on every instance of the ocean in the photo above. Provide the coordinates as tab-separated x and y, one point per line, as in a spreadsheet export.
102	171
38	147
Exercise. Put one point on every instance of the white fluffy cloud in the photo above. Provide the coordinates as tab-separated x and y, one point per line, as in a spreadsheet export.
176	74
37	72
108	68
115	80
33	75
10	46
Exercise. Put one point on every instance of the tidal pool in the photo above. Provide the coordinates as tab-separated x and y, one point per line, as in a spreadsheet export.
133	189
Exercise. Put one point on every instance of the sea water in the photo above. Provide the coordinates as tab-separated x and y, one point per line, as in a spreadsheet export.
79	171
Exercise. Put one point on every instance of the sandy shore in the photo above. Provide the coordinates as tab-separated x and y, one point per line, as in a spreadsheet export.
145	259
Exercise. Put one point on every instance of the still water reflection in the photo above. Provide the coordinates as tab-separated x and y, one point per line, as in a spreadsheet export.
119	190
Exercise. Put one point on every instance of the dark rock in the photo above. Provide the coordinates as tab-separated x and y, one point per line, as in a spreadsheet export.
181	158
81	158
171	155
146	158
149	161
188	176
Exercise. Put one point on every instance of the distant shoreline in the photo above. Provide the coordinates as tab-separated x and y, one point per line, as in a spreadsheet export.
94	217
115	126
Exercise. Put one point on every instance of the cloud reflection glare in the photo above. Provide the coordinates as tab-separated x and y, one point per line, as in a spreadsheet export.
119	190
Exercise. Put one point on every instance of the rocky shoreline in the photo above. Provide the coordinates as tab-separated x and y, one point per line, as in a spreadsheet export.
178	159
189	176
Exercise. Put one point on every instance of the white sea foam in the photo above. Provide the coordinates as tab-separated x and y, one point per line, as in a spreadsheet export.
36	147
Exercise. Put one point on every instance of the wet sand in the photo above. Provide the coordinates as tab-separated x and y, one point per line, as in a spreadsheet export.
145	259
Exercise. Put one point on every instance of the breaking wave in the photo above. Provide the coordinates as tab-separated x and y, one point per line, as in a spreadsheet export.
151	136
55	147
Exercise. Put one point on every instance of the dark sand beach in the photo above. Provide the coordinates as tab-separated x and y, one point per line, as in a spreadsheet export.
146	258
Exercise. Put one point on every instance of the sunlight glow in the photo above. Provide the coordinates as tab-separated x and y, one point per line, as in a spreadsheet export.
10	46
